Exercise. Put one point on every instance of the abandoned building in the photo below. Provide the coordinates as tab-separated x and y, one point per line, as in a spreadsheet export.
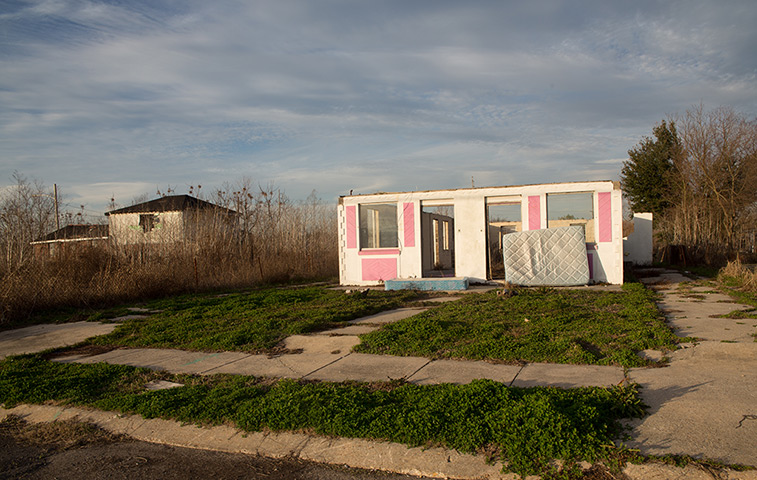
68	238
462	233
173	218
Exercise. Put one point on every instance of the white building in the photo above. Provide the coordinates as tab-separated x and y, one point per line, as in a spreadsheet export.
383	236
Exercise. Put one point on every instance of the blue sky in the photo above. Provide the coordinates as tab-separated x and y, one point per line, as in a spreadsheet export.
122	98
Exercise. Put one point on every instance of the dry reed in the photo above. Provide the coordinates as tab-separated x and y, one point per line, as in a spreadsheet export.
297	241
740	274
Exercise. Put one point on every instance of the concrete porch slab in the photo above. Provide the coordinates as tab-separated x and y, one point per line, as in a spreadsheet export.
436	284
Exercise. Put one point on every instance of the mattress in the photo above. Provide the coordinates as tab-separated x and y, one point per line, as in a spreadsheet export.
553	257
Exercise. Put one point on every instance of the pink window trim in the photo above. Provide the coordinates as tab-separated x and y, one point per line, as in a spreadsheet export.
351	222
379	251
604	201
534	212
379	269
408	213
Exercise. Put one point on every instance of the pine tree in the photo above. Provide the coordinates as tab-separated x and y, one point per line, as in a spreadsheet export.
645	176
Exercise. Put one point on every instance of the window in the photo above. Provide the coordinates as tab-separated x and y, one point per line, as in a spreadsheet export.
571	209
378	225
148	222
445	233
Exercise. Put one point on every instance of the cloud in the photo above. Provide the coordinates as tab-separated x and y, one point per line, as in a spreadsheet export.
336	95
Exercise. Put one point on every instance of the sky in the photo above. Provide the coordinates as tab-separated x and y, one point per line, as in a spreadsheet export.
125	98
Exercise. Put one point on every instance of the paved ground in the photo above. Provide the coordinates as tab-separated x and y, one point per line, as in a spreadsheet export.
703	404
42	337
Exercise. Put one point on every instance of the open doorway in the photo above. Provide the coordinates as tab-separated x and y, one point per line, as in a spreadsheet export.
438	240
503	216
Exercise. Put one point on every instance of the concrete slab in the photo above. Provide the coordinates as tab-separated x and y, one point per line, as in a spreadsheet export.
175	361
43	337
283	366
703	404
700	318
162	385
568	376
356	453
124	318
350	330
462	372
436	283
443	299
363	367
388	317
320	344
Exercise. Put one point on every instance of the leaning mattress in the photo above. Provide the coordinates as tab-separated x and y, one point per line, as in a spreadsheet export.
554	257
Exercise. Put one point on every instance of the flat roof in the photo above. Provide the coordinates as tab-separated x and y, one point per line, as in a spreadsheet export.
616	186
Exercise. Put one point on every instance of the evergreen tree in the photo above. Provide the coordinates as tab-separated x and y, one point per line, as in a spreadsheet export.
645	176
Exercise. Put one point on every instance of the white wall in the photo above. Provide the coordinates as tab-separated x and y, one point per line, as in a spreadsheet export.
125	228
637	247
470	230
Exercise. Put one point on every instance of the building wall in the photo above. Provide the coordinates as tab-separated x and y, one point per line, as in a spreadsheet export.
637	247
371	267
125	228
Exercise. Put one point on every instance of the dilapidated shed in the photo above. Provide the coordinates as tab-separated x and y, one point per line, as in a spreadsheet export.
70	238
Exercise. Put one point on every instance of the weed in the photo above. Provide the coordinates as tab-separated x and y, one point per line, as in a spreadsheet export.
253	321
528	427
537	325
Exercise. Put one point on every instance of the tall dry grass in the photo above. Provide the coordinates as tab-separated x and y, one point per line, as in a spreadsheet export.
293	241
737	274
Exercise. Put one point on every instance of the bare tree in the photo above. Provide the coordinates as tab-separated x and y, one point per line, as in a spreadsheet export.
27	212
714	178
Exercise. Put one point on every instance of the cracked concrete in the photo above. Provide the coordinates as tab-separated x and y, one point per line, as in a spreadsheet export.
703	404
698	401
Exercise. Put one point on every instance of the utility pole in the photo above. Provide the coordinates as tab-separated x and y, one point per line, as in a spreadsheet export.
57	217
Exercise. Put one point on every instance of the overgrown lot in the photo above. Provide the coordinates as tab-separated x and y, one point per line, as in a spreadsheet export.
536	325
527	427
253	321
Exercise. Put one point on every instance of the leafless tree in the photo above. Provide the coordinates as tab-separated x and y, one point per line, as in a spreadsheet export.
714	178
27	212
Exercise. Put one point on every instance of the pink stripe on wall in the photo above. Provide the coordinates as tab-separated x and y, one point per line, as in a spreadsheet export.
351	226
604	201
534	212
408	213
379	269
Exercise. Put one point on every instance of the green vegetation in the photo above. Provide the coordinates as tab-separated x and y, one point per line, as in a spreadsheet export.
252	321
536	325
527	427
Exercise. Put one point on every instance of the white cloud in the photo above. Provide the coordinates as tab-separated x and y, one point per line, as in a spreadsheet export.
387	96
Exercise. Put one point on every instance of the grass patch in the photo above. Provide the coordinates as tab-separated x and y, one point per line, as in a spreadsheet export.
252	321
536	325
526	427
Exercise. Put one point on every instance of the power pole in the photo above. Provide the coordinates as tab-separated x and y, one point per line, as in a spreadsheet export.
57	217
